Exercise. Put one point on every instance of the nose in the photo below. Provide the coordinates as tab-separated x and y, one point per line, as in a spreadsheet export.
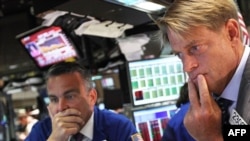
62	105
189	63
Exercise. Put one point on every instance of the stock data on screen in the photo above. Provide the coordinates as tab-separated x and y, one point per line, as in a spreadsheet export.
151	122
156	80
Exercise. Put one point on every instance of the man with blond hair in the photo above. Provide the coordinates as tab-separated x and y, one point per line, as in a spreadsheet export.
206	35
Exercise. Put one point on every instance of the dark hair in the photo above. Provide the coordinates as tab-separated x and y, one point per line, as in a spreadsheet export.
70	67
183	97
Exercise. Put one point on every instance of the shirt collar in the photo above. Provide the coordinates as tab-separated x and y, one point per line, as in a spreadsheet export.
88	129
232	89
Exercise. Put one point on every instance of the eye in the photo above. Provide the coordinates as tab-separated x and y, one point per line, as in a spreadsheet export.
53	100
178	54
197	49
70	96
194	49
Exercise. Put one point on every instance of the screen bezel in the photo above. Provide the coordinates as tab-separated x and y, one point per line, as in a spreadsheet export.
166	59
38	29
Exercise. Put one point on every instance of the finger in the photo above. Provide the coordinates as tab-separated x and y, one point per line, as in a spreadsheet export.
72	115
192	94
68	125
205	97
187	120
72	131
72	119
70	111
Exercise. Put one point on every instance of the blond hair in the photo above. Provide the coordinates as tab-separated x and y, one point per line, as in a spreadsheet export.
184	15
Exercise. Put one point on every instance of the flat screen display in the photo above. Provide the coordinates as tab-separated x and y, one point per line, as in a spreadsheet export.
108	82
151	122
48	45
155	80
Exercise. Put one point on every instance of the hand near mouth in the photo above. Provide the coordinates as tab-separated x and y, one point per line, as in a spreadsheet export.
65	124
203	119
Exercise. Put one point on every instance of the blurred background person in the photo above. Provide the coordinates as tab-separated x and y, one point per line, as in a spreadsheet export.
26	120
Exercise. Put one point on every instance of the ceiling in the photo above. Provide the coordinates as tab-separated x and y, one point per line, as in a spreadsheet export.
12	57
17	16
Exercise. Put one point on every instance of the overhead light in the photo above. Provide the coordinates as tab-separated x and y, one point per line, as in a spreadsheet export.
150	6
142	5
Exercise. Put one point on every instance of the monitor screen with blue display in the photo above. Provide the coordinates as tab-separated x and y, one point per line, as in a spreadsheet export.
155	80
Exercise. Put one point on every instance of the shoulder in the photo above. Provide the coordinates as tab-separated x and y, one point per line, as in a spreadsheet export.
183	109
114	126
175	129
46	122
178	118
110	120
110	116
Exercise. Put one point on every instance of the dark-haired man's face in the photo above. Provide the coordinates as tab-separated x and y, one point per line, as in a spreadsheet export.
68	91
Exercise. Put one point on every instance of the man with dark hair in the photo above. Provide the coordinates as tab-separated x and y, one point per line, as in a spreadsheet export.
72	110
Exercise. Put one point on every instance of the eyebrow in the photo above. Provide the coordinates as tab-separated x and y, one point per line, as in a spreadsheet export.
65	93
71	90
186	47
191	43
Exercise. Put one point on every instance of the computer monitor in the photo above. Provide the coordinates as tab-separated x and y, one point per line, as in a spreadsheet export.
48	45
155	80
152	121
108	83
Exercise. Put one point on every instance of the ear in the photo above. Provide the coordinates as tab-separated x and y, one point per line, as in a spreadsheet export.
233	29
92	96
